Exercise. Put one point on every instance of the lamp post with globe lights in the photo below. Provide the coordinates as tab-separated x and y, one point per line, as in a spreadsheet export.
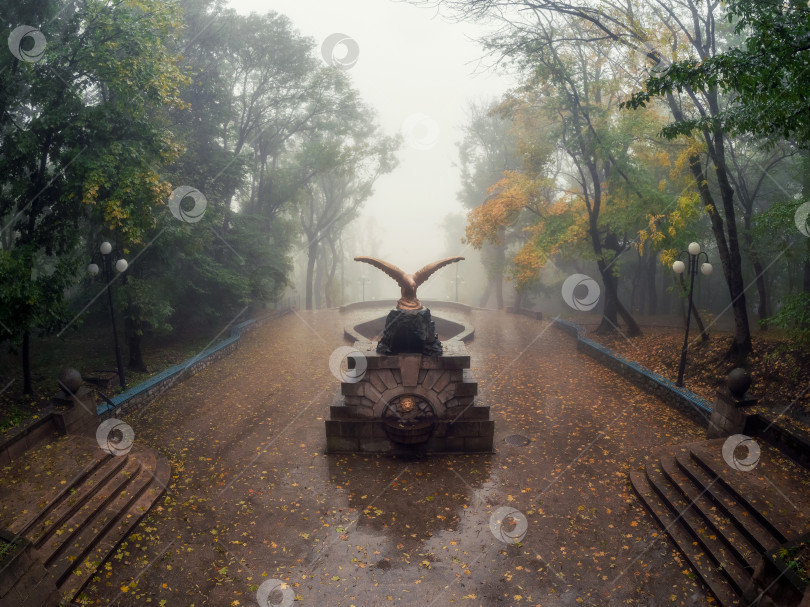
106	250
693	253
456	282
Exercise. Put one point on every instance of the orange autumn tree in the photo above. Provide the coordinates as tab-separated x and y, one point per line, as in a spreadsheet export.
590	175
487	149
515	194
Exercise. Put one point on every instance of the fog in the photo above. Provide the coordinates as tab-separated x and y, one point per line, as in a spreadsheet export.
418	70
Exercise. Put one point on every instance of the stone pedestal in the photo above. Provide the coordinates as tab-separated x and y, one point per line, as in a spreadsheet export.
728	413
410	403
77	412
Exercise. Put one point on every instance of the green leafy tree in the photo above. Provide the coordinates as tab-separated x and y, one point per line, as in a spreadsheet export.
661	33
79	139
765	74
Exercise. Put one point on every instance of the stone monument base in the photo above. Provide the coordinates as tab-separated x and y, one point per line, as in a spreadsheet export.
410	404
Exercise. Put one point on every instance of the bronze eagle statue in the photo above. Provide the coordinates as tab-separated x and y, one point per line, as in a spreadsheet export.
408	282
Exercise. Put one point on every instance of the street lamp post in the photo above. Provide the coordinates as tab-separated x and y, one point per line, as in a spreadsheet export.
363	282
693	253
120	265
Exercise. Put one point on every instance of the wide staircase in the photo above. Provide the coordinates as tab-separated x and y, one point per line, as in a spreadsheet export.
723	519
77	530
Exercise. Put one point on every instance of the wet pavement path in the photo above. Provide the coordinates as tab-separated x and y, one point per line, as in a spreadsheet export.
253	497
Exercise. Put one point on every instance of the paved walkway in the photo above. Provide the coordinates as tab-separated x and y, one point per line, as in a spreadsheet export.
254	498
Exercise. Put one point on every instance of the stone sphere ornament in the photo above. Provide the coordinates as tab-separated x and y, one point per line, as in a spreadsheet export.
738	381
70	380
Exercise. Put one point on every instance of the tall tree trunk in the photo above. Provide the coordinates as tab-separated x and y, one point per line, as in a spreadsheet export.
613	307
312	254
133	332
501	264
763	310
806	276
727	247
730	261
610	298
330	279
318	287
482	303
651	291
26	363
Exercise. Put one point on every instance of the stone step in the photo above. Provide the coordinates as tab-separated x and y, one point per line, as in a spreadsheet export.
57	540
757	495
72	499
725	520
82	526
31	528
686	543
141	494
746	521
688	518
722	526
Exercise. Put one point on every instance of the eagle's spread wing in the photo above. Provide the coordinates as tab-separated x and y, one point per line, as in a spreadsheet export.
389	268
423	274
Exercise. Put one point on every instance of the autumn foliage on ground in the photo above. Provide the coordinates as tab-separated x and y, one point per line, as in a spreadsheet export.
780	371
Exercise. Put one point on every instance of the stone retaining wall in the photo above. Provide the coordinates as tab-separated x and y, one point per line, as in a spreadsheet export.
147	391
792	442
27	437
51	423
682	399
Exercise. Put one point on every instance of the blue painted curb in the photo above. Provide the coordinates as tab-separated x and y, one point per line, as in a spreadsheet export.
118	400
632	367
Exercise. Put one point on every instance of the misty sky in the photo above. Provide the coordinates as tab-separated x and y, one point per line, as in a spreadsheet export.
417	68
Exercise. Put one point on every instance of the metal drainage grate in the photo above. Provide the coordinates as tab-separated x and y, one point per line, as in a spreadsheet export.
518	440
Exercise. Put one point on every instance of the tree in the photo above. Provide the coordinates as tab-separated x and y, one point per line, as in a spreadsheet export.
347	159
661	32
764	73
570	106
79	139
277	91
487	149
